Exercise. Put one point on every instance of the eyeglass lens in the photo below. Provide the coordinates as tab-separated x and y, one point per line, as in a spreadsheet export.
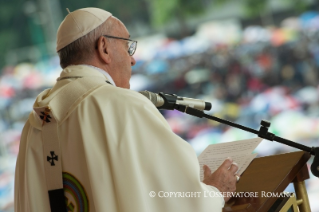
132	48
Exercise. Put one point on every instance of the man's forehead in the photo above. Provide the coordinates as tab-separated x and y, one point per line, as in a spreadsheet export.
120	27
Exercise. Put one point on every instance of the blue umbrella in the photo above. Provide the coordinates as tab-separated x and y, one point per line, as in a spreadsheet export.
157	66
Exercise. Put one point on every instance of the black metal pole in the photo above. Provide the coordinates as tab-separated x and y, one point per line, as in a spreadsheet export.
262	133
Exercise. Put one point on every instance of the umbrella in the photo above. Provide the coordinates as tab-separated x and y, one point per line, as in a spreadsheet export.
254	34
308	95
291	23
294	125
205	138
310	20
197	76
273	101
157	67
139	82
174	49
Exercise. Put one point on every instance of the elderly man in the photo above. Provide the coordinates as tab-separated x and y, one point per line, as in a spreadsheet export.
91	144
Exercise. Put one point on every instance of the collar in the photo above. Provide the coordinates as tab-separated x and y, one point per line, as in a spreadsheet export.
79	71
108	76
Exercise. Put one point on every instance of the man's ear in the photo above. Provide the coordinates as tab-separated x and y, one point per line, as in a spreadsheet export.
103	49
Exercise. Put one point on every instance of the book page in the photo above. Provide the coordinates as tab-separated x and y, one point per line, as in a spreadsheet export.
240	151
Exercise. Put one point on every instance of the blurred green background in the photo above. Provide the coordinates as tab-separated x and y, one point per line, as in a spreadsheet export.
252	59
28	28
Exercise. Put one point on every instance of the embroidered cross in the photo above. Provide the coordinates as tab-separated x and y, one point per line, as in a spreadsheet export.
52	158
45	115
70	206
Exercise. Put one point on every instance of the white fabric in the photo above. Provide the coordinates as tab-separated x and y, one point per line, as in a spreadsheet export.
51	145
108	76
118	147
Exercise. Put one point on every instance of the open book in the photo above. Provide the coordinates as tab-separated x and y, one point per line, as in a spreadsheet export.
240	151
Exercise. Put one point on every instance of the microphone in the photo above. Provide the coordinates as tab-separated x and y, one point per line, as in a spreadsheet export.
169	101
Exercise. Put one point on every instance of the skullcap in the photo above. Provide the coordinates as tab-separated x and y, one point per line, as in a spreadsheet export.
79	23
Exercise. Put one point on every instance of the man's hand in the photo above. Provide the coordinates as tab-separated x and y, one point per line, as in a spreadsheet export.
224	178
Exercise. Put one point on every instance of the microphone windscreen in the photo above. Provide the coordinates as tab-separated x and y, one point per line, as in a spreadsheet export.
151	96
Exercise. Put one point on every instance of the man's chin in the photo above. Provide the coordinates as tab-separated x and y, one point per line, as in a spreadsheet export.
128	86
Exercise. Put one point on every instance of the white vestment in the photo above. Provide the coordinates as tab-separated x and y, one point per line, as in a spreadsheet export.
116	149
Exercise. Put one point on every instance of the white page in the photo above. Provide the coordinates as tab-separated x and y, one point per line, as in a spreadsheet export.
246	163
240	151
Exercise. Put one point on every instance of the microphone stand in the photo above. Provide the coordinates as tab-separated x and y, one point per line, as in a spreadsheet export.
262	133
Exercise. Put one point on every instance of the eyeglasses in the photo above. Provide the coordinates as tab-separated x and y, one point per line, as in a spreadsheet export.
132	44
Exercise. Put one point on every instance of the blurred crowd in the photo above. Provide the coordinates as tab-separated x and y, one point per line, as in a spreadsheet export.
245	82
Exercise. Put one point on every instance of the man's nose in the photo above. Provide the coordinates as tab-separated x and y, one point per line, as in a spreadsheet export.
132	61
